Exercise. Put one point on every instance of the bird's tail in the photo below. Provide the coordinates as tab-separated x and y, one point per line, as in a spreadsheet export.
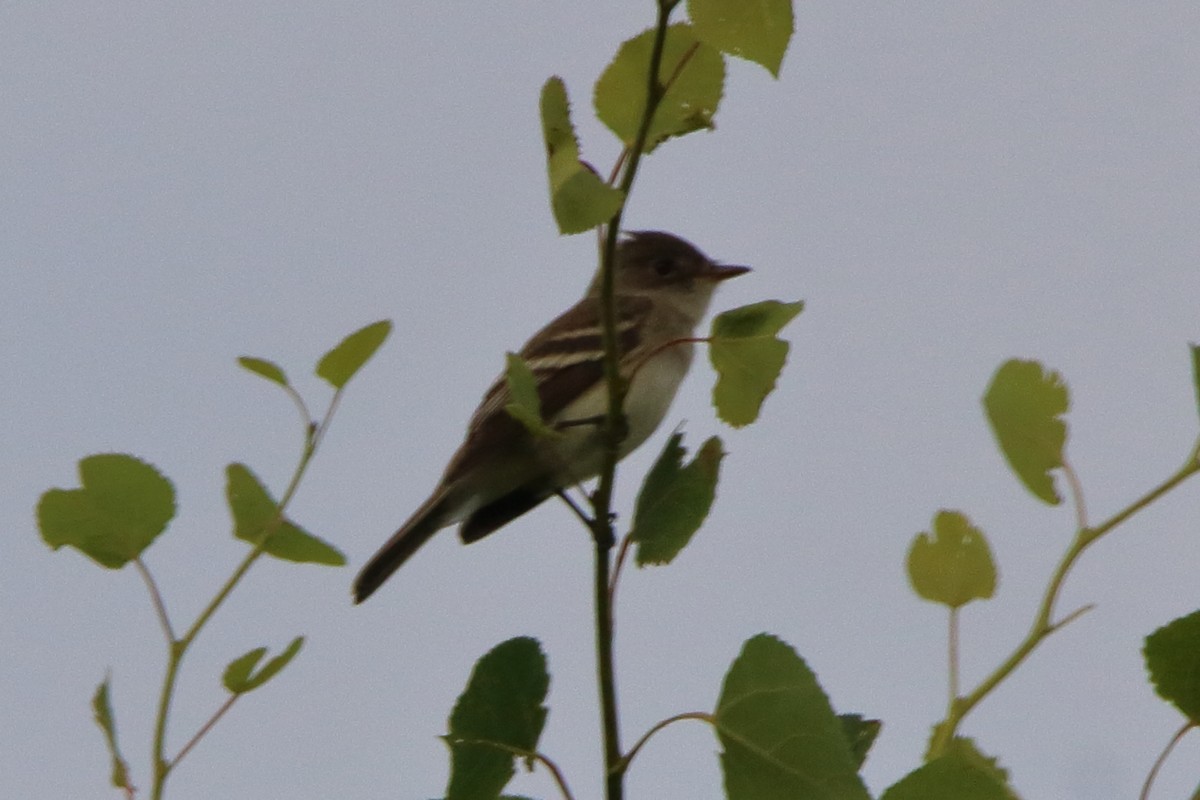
419	529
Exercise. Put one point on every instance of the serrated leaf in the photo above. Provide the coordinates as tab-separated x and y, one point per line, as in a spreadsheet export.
1173	660
765	318
966	748
102	712
748	357
257	520
526	406
1024	403
758	31
340	364
240	677
960	774
953	566
674	500
503	704
780	738
264	368
579	199
860	734
693	72
123	505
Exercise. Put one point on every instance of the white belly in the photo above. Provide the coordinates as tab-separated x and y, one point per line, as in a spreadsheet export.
646	403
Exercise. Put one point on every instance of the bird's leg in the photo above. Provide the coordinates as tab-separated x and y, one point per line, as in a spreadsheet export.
597	420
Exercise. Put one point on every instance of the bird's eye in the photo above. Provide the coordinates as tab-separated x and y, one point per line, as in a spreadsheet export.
664	267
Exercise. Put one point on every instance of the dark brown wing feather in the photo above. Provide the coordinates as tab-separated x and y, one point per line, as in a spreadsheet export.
563	375
500	512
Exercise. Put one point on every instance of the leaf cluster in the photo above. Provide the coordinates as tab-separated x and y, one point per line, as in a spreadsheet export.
644	107
124	504
779	734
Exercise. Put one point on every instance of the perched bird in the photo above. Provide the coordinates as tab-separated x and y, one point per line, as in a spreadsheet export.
663	286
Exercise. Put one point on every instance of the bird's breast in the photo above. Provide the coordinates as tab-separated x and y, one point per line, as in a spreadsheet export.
578	452
651	391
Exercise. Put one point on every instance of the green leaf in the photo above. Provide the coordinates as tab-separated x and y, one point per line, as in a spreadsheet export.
1196	371
102	710
340	364
579	198
526	406
758	31
267	369
122	507
961	774
1173	659
238	677
780	738
693	72
674	500
765	318
954	566
256	517
748	357
860	735
501	712
1024	403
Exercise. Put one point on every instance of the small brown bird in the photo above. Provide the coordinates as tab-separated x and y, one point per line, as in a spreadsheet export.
663	286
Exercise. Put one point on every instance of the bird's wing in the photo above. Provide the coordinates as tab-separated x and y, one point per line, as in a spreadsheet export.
566	358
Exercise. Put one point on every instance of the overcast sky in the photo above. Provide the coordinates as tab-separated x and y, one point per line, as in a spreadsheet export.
945	184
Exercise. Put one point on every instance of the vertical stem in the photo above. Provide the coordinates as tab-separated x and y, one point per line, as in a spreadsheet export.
614	430
614	773
161	767
952	645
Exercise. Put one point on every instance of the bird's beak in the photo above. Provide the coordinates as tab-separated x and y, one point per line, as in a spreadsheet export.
720	272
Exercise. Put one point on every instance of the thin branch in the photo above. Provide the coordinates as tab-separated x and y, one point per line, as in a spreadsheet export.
555	773
622	552
683	61
1044	623
313	436
160	608
316	436
703	716
1186	471
301	406
517	752
1069	618
571	504
1162	758
645	359
178	647
205	728
1081	517
616	170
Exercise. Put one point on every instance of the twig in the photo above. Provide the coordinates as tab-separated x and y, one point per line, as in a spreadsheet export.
1162	758
205	728
160	608
517	752
1044	623
703	716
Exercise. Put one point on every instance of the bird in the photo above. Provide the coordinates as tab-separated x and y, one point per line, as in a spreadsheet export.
663	286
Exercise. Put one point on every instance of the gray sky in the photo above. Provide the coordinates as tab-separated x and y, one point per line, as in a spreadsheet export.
945	186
